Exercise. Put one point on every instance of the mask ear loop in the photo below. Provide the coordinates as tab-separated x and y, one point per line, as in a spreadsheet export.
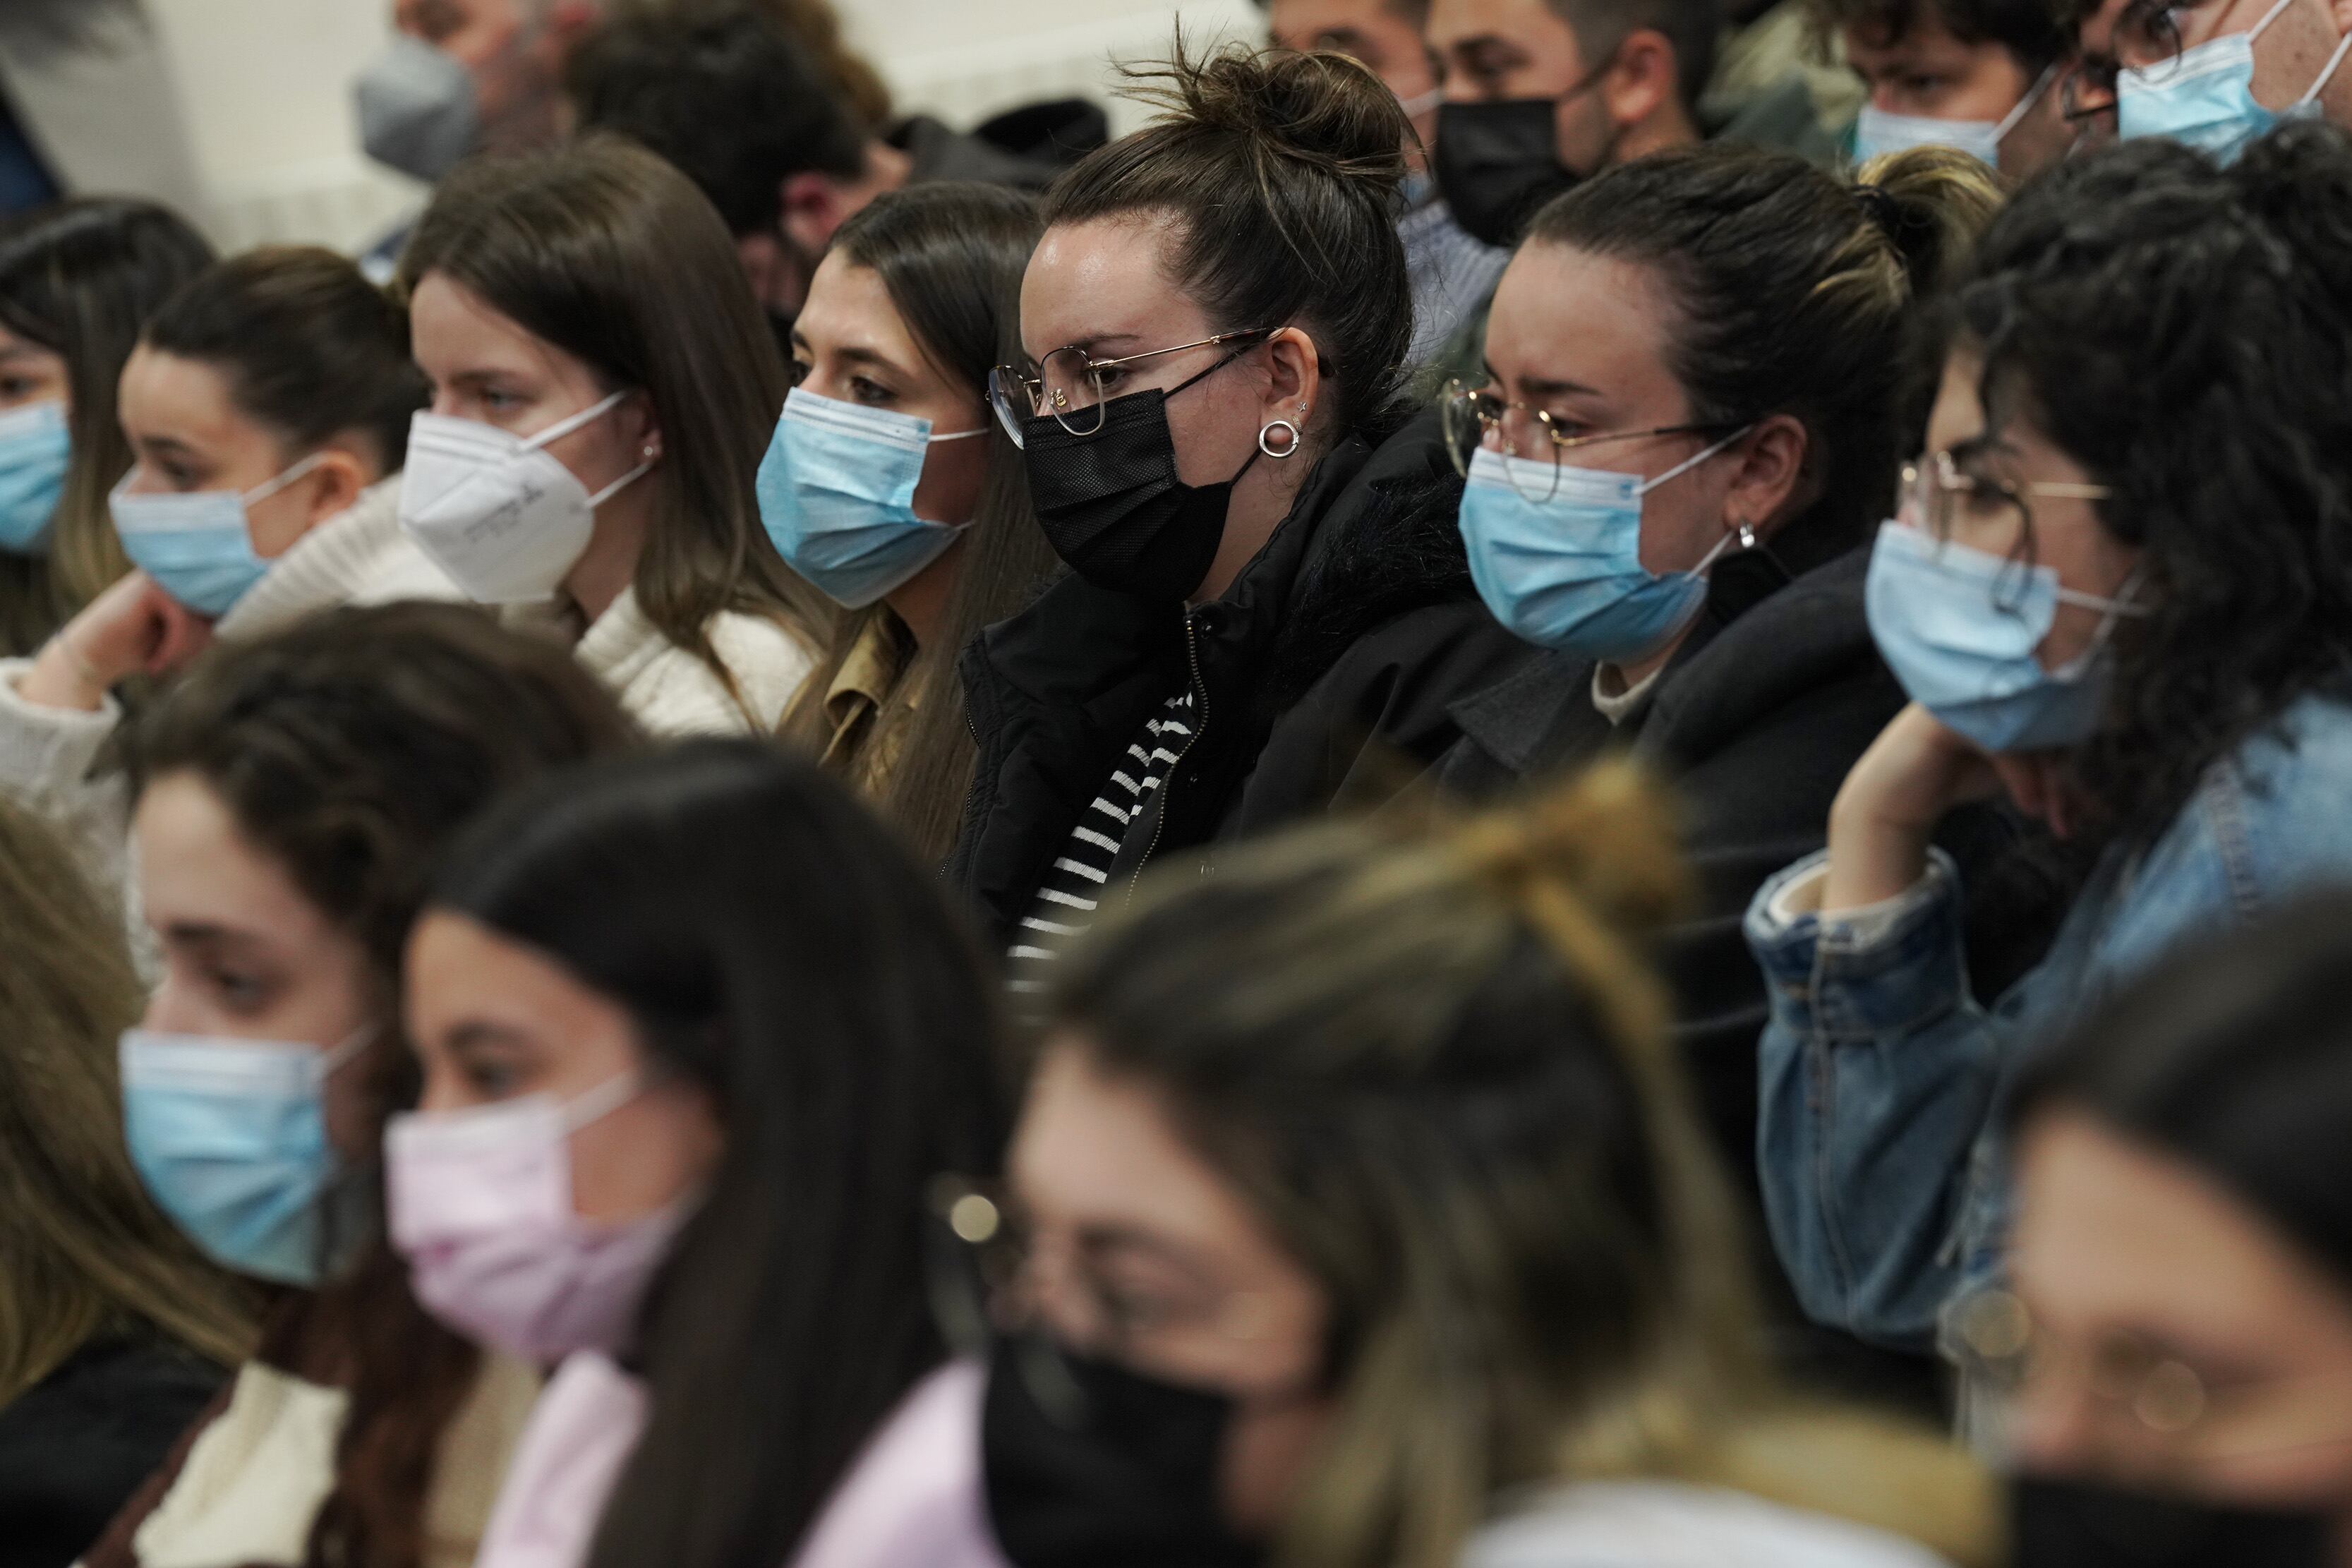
2269	16
268	488
2328	71
2025	105
334	1061
1747	532
601	1101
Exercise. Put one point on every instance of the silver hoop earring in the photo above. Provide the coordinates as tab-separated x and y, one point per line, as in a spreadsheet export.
1289	450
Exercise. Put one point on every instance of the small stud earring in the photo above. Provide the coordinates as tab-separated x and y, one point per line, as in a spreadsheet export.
1746	536
652	451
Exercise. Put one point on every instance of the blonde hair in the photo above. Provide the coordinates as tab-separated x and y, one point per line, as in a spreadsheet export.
82	1250
1437	1064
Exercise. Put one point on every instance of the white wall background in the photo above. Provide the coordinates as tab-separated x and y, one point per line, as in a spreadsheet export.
266	83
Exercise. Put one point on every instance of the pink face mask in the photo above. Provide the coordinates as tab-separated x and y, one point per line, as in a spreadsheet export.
480	1205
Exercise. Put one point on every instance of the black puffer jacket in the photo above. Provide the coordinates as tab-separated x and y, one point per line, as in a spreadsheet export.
1322	678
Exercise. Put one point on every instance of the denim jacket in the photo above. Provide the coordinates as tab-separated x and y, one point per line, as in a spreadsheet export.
1884	1172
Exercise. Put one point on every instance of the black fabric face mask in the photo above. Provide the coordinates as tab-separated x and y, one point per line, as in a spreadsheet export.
1112	505
2065	1523
1127	1475
1497	163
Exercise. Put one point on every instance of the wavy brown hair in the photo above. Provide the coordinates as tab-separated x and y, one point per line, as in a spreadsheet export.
350	749
610	254
83	1252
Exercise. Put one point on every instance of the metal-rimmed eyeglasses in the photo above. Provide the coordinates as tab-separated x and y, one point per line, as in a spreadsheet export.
1935	495
1468	414
1073	385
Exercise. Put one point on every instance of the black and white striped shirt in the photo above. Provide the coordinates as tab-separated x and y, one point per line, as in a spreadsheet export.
1074	887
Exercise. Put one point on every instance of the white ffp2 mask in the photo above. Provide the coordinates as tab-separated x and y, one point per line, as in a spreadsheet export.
496	512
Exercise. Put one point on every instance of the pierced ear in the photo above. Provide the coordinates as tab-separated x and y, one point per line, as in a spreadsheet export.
1774	482
1297	373
646	441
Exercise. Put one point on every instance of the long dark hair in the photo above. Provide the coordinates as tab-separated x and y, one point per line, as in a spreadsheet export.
951	256
1282	172
309	348
2184	333
2235	1058
80	279
348	750
614	257
774	946
1796	292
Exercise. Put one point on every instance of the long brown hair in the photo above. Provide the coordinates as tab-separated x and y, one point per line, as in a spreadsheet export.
951	256
350	749
612	255
1438	1067
80	279
83	1252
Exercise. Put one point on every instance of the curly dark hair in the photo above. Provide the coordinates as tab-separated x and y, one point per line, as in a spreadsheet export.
2184	333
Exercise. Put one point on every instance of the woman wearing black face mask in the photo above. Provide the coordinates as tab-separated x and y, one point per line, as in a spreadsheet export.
1356	1200
2178	1325
1271	606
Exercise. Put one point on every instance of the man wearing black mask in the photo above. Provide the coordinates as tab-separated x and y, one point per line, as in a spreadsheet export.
1540	94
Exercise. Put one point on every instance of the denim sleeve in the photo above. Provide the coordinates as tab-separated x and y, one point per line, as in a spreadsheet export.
1877	1076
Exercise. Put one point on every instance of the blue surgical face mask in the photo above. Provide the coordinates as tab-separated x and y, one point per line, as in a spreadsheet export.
230	1137
33	451
1959	627
1878	133
1560	563
2205	96
197	546
837	494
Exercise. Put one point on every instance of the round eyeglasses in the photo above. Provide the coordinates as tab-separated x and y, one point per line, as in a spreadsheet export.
1073	385
1469	416
1936	497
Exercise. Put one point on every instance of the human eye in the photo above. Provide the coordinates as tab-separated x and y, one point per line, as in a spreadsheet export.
243	992
491	1074
872	393
800	368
